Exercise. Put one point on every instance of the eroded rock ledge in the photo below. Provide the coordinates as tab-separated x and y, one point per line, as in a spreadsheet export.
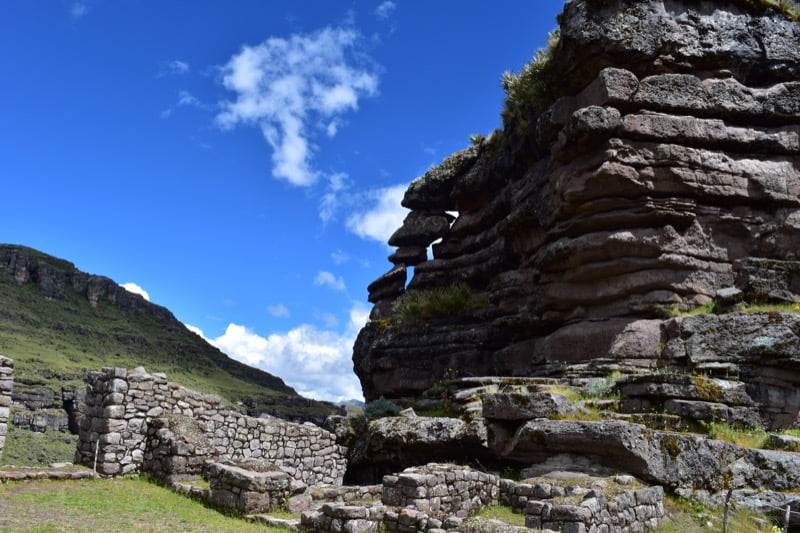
667	169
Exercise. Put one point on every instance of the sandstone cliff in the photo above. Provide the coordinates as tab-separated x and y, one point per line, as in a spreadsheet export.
665	167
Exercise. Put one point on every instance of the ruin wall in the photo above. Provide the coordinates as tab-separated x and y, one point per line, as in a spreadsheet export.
122	405
6	385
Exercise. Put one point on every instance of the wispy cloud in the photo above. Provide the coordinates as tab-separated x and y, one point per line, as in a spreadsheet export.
316	362
135	289
339	256
383	218
185	99
385	9
78	10
286	86
327	279
279	310
175	67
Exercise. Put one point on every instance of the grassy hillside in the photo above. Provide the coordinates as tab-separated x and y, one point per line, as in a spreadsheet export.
54	341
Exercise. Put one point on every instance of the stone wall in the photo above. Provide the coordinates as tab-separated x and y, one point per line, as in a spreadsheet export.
440	497
6	385
120	433
255	488
441	490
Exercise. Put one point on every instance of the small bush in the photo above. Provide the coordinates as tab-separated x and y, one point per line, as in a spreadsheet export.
528	92
597	388
380	408
419	305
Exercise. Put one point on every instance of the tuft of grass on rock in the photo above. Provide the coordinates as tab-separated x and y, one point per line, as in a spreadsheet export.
527	92
417	306
747	438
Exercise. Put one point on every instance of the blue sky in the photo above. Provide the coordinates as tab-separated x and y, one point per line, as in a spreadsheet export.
243	161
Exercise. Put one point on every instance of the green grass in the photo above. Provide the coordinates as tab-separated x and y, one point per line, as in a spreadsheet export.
417	306
26	448
772	308
747	438
502	513
108	505
684	516
676	310
55	341
708	308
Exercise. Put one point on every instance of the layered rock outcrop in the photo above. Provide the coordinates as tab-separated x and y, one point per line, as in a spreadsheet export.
666	168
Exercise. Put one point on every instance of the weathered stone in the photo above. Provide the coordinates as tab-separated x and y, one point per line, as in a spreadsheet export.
389	285
421	229
409	255
519	406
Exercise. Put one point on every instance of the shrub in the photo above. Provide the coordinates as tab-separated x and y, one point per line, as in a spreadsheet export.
528	92
597	388
419	305
380	408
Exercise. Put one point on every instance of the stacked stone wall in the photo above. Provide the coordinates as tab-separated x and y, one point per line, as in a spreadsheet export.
120	433
6	386
437	497
441	490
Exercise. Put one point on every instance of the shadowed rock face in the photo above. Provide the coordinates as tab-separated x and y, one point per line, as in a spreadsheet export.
667	168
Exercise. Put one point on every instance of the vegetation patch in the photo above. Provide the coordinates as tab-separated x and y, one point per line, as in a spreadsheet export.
502	513
747	438
380	408
417	306
108	505
29	448
528	92
682	516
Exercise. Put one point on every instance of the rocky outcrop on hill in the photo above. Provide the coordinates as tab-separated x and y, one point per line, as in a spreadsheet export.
54	276
665	169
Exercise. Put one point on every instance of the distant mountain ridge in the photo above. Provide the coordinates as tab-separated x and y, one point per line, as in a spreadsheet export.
57	322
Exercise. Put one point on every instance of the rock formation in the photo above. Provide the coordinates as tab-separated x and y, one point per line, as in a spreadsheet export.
665	169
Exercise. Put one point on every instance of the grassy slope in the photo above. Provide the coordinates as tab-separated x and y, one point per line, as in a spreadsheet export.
54	342
108	505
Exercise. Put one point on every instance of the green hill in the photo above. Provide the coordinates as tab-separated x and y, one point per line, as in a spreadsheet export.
57	322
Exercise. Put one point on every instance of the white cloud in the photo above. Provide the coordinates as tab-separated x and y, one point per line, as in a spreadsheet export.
78	10
285	86
317	363
279	310
386	215
135	289
185	99
176	67
333	199
385	9
327	279
339	256
195	330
